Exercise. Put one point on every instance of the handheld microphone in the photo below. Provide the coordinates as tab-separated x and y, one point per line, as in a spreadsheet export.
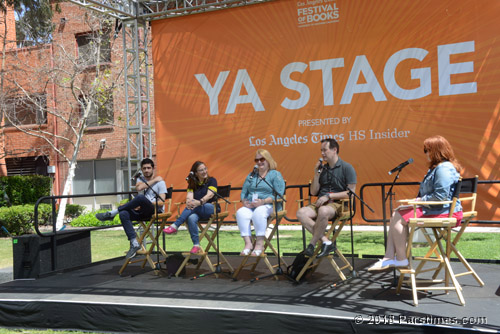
136	175
254	171
401	166
191	174
320	167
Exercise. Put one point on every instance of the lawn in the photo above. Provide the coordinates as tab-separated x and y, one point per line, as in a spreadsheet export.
108	244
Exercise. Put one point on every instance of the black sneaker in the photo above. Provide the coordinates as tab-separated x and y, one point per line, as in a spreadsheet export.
326	249
102	216
132	251
309	250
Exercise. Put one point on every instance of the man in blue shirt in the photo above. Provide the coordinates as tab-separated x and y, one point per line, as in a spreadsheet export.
330	184
142	206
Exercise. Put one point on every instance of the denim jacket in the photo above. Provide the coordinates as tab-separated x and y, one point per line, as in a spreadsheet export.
253	184
439	185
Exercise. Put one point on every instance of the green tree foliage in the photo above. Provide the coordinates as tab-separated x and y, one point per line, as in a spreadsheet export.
34	20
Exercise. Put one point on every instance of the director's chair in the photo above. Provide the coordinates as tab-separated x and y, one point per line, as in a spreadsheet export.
267	243
341	218
216	218
146	235
441	229
467	197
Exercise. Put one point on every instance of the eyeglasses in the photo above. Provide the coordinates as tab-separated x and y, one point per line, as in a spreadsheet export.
259	160
201	170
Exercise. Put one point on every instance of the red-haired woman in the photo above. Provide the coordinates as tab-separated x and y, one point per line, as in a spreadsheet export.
438	185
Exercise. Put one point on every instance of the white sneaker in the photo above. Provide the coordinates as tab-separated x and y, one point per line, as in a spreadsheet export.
382	265
402	263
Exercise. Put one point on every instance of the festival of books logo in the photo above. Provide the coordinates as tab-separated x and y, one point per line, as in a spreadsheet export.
315	12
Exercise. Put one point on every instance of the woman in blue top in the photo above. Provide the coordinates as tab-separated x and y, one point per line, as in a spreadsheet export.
438	185
257	198
198	203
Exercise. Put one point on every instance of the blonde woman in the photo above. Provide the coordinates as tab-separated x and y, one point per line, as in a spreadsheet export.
257	198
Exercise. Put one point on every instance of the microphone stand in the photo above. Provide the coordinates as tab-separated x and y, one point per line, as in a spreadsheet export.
388	195
279	270
157	196
218	269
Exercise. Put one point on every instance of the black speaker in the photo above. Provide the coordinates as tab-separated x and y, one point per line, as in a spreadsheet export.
33	254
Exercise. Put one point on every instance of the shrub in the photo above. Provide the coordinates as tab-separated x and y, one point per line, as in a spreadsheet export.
89	220
26	189
19	219
74	210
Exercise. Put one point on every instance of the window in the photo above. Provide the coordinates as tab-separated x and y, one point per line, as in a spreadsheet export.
101	112
26	110
27	165
97	176
94	46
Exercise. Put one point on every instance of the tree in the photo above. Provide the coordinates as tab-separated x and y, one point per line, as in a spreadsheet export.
34	24
85	85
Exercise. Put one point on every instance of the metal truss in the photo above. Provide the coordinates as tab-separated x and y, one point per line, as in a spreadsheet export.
154	10
135	16
137	92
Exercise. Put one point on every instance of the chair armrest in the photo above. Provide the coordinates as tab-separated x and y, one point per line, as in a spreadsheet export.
429	202
179	207
405	200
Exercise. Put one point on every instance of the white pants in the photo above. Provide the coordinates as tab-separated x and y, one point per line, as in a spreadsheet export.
259	217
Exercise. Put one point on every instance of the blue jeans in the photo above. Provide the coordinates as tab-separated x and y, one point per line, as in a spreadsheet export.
128	213
192	217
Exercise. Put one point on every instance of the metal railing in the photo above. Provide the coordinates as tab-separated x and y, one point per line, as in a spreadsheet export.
303	193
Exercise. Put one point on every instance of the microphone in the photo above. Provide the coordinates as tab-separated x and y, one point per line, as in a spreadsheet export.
190	175
254	171
320	167
401	166
136	175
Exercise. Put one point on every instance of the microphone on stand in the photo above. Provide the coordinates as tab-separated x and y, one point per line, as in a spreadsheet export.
401	166
254	171
320	167
136	175
191	174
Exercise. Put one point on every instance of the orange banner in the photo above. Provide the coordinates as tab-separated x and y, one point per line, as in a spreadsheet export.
379	76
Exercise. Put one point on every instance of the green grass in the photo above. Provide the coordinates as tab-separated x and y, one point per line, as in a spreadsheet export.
108	244
6	251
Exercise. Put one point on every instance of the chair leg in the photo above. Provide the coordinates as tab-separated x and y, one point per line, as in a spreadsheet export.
449	271
414	289
470	270
308	264
183	264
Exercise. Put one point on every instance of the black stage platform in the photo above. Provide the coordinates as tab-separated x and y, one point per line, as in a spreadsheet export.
96	298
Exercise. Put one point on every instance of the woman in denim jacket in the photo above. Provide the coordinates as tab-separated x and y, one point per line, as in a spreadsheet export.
438	185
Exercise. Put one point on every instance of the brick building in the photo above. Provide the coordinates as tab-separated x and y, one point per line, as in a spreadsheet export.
102	158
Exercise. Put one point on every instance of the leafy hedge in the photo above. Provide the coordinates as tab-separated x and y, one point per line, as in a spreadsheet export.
89	220
25	189
20	219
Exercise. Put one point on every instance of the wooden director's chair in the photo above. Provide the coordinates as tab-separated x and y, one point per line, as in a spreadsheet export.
441	229
340	219
267	244
147	235
217	219
467	196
